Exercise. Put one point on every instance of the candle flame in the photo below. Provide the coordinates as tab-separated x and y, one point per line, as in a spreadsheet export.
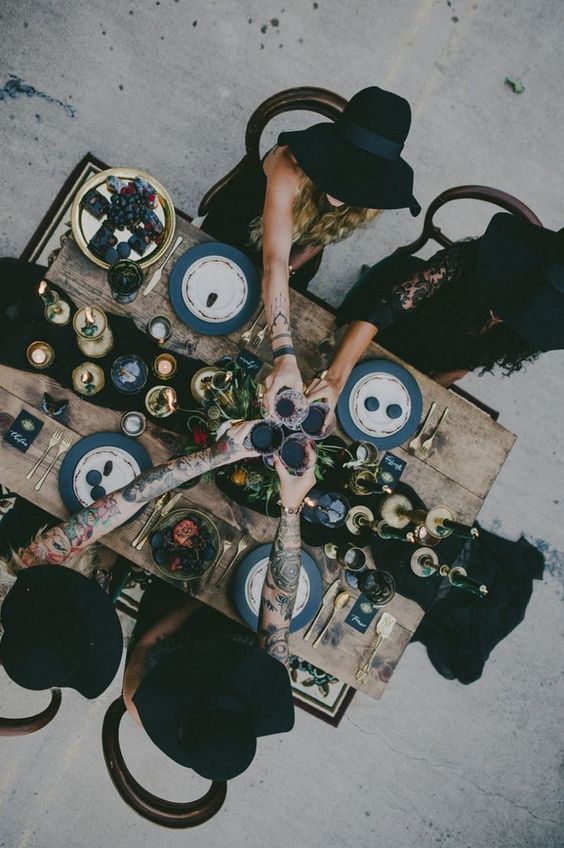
309	501
86	377
170	399
89	314
42	287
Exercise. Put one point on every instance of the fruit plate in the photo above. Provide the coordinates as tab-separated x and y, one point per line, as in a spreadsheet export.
246	588
214	288
184	526
380	403
148	219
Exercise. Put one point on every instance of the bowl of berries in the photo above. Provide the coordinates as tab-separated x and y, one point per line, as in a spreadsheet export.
184	544
122	213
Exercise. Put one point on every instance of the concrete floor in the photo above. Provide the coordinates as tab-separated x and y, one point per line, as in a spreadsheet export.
168	86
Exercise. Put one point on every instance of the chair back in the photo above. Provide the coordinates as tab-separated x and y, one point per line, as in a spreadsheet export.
158	810
24	726
465	192
303	98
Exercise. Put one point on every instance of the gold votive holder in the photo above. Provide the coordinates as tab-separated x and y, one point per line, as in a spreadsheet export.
201	380
58	313
133	424
93	335
40	355
88	379
159	328
165	366
161	401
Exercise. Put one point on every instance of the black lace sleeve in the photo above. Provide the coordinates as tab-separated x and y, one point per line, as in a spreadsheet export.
408	294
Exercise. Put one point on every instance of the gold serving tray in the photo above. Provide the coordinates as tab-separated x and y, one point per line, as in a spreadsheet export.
84	225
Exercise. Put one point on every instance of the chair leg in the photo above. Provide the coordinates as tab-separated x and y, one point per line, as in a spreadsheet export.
25	726
149	806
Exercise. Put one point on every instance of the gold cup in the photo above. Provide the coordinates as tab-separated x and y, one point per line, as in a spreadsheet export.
40	355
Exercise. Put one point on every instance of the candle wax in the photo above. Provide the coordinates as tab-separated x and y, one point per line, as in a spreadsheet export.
164	366
39	356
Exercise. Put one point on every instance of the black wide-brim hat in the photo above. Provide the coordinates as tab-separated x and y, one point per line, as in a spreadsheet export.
357	158
521	272
60	630
204	680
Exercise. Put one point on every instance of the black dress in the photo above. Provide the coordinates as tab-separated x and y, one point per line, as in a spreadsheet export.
236	206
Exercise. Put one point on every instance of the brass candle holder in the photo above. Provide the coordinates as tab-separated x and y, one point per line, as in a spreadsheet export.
425	563
88	379
159	328
201	381
93	335
161	401
40	355
386	531
367	482
165	366
57	311
440	524
359	517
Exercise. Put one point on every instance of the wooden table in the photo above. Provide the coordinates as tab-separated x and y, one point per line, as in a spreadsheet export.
470	451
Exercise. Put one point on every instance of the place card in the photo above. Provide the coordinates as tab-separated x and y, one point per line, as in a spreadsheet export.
25	429
249	362
361	614
390	469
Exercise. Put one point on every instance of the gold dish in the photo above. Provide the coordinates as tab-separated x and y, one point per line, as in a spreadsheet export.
170	520
84	224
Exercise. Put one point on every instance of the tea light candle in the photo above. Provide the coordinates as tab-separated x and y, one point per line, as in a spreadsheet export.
40	355
164	366
159	328
133	423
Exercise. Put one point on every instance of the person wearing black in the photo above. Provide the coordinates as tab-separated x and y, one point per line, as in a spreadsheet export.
496	300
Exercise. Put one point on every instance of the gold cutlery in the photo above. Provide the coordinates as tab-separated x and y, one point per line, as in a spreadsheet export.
54	440
415	444
259	338
63	448
226	545
384	627
156	277
165	509
158	506
340	602
327	597
248	334
244	542
428	443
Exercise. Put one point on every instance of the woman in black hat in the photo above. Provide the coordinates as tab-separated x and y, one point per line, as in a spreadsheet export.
197	682
59	627
497	300
314	188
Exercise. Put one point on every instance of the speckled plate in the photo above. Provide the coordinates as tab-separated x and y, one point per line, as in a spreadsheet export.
380	403
84	224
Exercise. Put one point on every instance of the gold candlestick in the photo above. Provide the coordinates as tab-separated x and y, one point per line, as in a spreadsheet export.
161	401
88	379
358	517
57	311
93	335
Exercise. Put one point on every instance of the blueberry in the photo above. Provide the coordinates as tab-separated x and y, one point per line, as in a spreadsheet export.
209	552
156	539
111	255
124	249
371	404
394	410
93	477
161	556
97	492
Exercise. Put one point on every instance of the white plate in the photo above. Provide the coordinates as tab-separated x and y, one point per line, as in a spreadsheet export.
255	580
125	469
387	389
214	275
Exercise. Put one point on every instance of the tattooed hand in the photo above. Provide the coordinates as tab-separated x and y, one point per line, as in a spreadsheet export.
231	446
294	488
284	375
326	390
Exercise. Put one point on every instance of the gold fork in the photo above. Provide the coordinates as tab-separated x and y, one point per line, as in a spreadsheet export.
247	335
428	443
63	448
226	545
244	542
155	513
54	440
415	444
384	628
259	338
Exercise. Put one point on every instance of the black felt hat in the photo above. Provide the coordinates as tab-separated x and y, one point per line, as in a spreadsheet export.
521	271
60	629
205	705
357	159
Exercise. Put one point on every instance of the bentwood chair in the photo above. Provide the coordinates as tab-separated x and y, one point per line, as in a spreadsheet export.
24	726
432	231
167	813
304	98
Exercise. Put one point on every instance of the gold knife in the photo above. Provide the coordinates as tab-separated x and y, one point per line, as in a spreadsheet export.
155	518
159	504
330	593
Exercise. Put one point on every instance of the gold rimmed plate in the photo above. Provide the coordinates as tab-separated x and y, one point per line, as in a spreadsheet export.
168	562
88	218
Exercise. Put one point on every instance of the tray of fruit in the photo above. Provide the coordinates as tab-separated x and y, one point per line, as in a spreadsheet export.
184	544
122	213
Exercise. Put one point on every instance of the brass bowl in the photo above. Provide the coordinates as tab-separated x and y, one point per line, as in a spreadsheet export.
85	225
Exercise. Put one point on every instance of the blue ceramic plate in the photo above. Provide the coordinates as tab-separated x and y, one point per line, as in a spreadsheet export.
106	461
246	588
380	403
214	288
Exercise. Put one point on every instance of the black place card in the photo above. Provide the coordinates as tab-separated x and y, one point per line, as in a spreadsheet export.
251	363
390	469
23	431
361	614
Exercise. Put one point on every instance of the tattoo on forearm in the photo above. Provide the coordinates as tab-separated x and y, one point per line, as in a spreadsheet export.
274	640
59	544
280	315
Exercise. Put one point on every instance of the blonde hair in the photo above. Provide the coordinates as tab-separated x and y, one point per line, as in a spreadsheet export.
315	220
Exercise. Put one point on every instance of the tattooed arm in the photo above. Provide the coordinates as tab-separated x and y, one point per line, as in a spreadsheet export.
283	573
62	542
282	185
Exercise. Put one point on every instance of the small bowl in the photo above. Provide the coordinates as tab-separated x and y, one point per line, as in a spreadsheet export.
165	566
129	373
